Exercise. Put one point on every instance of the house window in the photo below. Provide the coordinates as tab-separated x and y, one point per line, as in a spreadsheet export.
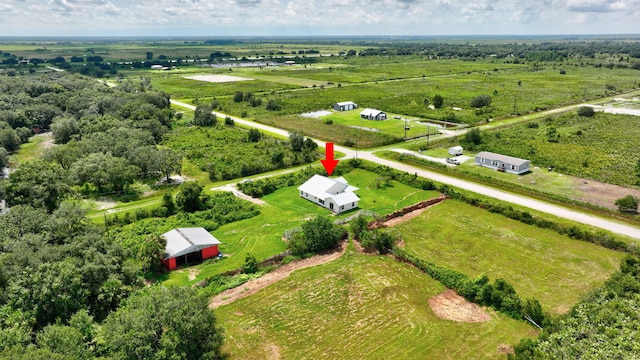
483	161
353	204
321	202
513	167
495	163
301	193
342	207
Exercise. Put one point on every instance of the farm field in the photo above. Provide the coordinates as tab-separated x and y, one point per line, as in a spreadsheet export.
285	209
539	263
358	307
603	147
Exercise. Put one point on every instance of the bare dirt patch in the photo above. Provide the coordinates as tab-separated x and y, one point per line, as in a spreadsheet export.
451	306
193	272
317	114
505	349
274	352
253	286
602	194
217	78
405	217
239	194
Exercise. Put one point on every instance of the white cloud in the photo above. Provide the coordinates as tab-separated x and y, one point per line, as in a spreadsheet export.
309	17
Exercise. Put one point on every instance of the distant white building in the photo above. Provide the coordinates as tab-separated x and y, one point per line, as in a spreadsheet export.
334	194
373	114
344	106
157	67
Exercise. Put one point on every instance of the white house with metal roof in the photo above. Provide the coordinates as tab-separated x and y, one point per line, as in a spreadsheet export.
344	106
334	194
373	114
188	244
501	162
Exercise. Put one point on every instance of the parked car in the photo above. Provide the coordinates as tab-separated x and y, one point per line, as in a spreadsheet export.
453	161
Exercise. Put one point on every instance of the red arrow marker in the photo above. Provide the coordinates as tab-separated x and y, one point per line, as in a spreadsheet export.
329	162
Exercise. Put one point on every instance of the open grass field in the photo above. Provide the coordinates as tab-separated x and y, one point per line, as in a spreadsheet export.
513	92
358	307
284	210
391	126
539	263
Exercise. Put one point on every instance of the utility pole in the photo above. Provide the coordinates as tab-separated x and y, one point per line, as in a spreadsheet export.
405	129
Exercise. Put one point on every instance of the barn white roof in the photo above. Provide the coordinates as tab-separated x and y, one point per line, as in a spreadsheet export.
183	241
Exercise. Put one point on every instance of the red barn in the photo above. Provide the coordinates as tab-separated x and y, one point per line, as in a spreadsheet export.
185	245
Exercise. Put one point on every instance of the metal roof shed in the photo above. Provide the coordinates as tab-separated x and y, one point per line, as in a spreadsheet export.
183	243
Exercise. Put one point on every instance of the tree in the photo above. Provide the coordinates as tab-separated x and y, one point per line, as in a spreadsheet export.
310	145
238	96
272	105
586	111
167	162
277	158
254	135
203	116
296	140
161	323
149	55
9	140
628	203
168	204
251	265
229	121
318	234
4	158
64	128
188	198
104	171
438	101
65	340
39	184
481	101
473	137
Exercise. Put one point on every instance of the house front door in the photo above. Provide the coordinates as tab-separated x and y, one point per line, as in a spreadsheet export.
331	206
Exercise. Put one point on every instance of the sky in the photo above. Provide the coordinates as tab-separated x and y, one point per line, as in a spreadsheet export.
316	17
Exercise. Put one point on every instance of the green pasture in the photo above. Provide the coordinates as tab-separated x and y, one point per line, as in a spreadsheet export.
366	69
539	263
358	307
392	126
182	88
513	92
284	210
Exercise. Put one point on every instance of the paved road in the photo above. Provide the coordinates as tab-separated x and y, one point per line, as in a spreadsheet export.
534	204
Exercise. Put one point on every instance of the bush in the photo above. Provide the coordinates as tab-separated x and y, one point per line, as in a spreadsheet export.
318	234
628	203
481	101
586	111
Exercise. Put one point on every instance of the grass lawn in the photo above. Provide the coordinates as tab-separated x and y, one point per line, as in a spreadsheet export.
284	210
31	150
357	307
539	263
391	126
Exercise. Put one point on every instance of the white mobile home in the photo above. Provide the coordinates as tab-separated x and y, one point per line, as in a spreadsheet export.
502	162
334	194
373	114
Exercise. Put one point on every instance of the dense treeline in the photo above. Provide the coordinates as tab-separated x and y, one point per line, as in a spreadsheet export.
603	325
106	137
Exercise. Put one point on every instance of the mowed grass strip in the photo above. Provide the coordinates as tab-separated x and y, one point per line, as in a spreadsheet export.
357	307
539	263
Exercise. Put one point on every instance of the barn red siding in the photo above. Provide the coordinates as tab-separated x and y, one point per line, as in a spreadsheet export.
169	263
210	252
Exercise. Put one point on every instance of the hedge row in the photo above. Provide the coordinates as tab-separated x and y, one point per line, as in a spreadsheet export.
499	295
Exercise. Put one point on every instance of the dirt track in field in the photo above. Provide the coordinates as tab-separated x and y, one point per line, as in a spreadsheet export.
451	306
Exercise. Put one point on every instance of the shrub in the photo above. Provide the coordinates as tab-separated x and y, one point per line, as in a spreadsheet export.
481	101
586	111
628	203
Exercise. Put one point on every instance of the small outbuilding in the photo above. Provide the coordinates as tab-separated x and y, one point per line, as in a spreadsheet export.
502	162
157	67
345	106
186	245
334	194
373	114
455	150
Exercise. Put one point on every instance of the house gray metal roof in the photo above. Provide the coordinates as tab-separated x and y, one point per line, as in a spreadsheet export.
345	103
183	241
504	158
